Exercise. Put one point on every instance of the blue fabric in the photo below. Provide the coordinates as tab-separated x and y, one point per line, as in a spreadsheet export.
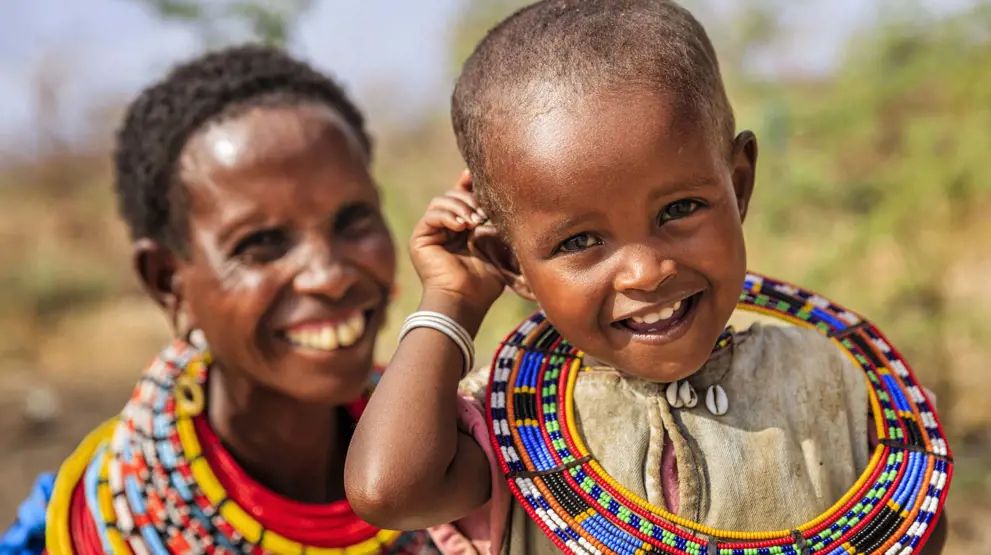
27	535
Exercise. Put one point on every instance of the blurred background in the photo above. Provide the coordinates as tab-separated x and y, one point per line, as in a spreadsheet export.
874	117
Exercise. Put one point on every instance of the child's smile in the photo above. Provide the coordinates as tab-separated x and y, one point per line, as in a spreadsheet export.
662	322
625	216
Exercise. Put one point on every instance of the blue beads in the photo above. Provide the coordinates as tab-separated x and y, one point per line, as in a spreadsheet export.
544	365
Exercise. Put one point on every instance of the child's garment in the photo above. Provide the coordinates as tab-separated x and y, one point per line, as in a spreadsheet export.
793	442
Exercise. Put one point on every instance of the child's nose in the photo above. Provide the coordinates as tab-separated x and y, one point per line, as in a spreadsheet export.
644	269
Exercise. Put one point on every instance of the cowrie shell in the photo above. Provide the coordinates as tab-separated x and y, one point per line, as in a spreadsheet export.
672	394
687	395
716	401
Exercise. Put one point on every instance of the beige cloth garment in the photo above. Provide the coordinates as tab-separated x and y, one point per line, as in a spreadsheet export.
792	443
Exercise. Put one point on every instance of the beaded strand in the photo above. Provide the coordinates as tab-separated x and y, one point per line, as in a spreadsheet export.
583	510
150	489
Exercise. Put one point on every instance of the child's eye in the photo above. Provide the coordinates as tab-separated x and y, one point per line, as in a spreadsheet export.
262	246
578	243
679	209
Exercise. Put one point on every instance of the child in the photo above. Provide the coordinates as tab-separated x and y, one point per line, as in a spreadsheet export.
243	177
603	149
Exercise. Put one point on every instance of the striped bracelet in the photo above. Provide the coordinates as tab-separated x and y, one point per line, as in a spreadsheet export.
447	326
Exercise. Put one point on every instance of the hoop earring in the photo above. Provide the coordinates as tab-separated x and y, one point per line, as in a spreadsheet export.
189	397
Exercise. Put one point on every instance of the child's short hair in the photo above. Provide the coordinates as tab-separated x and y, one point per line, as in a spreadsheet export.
160	121
585	45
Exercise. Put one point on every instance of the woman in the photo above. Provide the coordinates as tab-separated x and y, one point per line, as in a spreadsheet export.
244	180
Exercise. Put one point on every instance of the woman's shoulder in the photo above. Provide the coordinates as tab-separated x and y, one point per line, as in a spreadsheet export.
27	535
46	509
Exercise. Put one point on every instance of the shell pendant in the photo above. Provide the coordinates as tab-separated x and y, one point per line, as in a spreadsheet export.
716	401
674	400
681	394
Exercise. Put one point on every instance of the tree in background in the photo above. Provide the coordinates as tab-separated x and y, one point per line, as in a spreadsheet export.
886	175
270	21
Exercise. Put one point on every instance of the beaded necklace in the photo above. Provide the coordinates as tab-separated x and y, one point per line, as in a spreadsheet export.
154	483
889	510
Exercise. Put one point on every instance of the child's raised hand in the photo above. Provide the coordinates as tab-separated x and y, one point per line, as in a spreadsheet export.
443	251
432	473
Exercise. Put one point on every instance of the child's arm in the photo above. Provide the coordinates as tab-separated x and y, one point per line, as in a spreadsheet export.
934	546
408	466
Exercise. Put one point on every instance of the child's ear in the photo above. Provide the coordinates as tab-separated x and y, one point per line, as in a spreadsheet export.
496	251
744	170
157	267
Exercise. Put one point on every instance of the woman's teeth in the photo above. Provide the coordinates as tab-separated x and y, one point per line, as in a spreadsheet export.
654	317
329	336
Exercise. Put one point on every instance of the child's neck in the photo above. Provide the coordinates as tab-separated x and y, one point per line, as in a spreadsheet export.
588	361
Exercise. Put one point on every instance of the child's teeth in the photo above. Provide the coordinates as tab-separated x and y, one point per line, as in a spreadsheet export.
654	317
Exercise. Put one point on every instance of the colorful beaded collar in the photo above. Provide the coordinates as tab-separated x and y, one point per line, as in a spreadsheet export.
551	473
150	484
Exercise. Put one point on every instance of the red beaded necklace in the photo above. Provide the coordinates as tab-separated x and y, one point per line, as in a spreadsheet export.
330	525
159	480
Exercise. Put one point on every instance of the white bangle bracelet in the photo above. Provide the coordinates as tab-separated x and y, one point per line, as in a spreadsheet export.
447	326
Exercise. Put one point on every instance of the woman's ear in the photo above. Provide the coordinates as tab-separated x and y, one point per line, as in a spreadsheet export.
492	247
157	268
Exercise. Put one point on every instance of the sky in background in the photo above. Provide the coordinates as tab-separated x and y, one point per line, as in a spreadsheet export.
105	49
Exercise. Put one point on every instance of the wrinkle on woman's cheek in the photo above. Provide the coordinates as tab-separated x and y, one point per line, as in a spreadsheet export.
231	274
250	280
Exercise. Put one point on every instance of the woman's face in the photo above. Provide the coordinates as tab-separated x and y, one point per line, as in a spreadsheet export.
290	263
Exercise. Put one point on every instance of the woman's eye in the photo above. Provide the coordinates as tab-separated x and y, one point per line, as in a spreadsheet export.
578	243
262	246
356	219
678	210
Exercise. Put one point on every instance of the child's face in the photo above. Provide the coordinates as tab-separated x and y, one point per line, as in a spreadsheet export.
290	258
626	223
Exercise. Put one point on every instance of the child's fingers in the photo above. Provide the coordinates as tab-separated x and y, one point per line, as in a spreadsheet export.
440	220
469	199
459	207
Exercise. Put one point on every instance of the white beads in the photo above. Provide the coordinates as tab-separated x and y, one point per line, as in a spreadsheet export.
716	401
682	394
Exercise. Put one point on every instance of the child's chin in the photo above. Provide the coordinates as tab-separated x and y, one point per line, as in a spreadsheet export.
664	368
